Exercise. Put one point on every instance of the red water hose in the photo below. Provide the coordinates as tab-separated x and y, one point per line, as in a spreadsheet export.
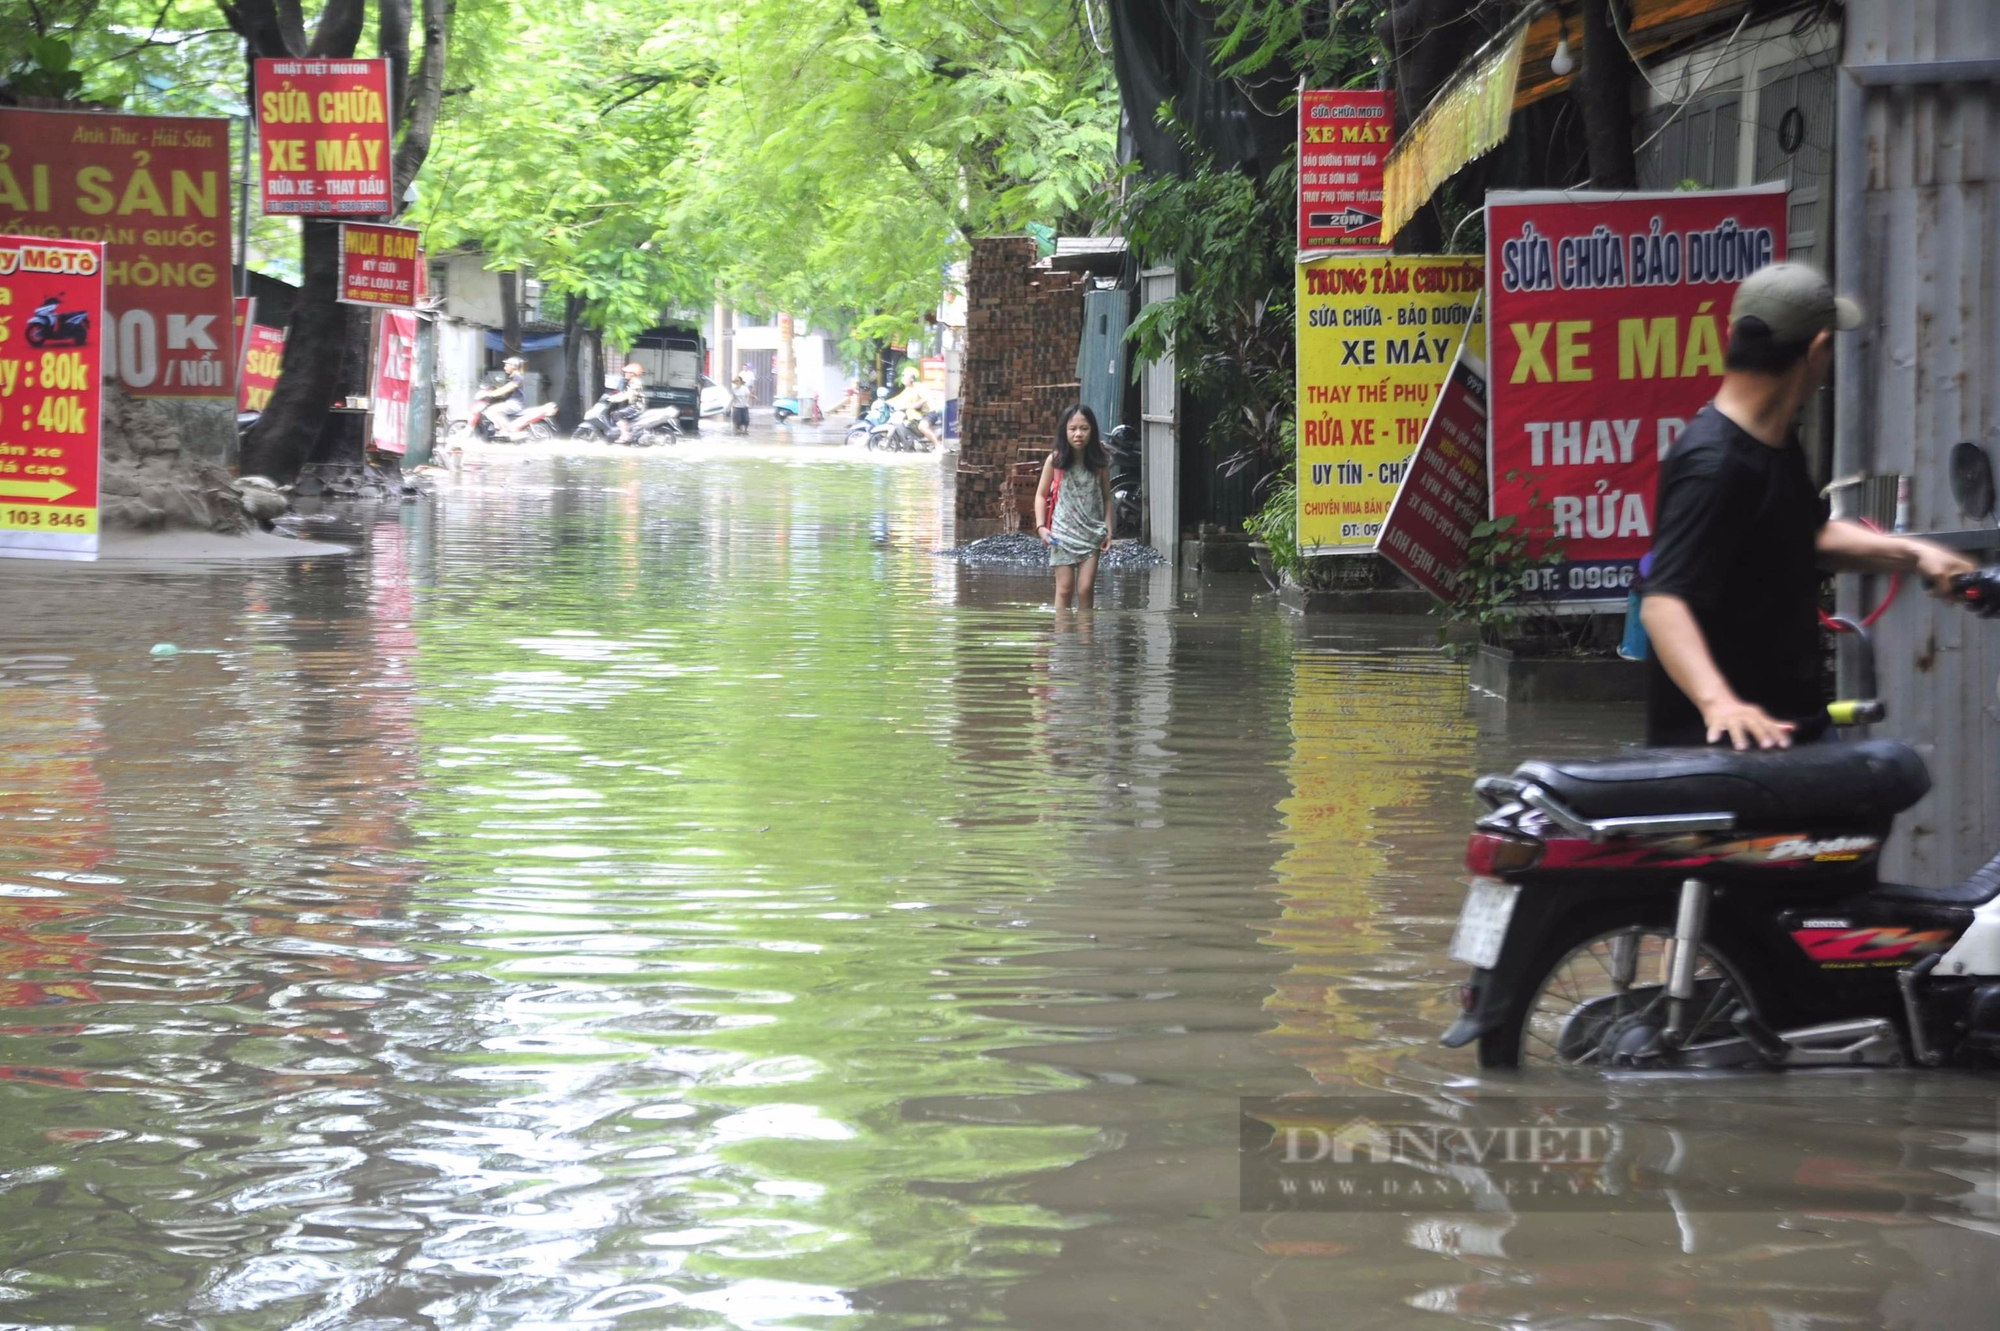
1895	585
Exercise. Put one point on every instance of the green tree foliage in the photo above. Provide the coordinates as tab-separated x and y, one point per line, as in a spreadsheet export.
817	156
1233	238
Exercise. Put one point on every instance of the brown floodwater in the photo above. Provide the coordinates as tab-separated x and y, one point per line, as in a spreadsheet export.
656	891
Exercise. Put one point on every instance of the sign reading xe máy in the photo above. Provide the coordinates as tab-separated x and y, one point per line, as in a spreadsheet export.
325	129
1609	313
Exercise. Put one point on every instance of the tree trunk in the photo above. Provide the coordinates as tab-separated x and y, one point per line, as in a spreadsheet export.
1603	92
788	359
326	347
569	403
392	39
510	312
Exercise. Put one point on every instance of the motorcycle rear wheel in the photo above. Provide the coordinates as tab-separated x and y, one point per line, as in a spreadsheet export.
1599	997
541	432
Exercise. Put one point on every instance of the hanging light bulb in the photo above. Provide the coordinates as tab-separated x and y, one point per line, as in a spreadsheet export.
1562	62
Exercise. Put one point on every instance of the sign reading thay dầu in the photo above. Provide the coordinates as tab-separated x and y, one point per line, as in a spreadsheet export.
51	386
326	135
1344	139
1377	333
1610	313
155	191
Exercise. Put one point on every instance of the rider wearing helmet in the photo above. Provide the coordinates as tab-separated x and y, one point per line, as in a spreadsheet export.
508	398
629	401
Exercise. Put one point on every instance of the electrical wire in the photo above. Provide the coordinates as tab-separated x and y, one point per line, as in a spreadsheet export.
1689	99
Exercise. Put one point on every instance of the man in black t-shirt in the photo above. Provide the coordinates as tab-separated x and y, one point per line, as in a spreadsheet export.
1741	536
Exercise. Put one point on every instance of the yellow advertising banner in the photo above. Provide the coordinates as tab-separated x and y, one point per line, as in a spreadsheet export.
1377	337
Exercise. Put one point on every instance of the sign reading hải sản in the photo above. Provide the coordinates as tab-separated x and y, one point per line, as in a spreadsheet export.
155	191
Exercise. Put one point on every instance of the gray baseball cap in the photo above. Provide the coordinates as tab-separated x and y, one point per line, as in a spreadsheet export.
1794	301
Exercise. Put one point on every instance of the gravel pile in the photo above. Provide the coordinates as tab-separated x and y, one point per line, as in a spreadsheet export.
1018	549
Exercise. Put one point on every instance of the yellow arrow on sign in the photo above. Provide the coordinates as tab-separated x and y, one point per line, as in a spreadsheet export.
49	490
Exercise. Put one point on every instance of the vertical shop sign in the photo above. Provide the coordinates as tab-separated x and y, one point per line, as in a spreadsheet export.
379	265
1377	334
1443	496
155	191
263	357
325	130
1610	313
395	361
51	359
1344	139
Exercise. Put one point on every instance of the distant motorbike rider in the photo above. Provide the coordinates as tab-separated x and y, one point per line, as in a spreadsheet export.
628	402
508	398
915	404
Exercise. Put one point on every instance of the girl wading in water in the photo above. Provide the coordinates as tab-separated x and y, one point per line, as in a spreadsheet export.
1078	472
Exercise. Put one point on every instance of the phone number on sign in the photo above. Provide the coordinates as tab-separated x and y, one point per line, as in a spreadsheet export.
1580	578
41	519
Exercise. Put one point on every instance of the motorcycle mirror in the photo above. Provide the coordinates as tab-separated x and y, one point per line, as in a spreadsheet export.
1971	479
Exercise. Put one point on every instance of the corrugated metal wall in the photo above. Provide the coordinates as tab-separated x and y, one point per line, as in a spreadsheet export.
1922	374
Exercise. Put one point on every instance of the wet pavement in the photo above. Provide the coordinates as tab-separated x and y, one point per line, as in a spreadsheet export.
654	890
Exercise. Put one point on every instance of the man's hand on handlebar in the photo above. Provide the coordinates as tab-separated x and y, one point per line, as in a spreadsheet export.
1938	566
1746	724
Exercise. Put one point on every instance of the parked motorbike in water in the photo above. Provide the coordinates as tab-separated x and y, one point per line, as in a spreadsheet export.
805	408
535	424
1123	444
1708	908
51	323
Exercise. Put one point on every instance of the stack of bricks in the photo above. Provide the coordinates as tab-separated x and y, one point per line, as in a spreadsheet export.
1023	325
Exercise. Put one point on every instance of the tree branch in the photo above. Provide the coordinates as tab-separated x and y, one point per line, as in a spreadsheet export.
339	29
392	40
426	92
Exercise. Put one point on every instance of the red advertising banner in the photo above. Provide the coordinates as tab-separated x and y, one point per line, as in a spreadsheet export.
239	327
1443	496
395	367
263	357
379	265
155	190
1344	138
1608	314
325	129
51	388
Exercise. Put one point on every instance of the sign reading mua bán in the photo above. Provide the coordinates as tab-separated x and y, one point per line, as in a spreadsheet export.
1610	313
155	191
379	265
325	129
1377	333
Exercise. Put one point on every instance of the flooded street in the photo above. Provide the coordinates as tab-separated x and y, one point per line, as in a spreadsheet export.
657	891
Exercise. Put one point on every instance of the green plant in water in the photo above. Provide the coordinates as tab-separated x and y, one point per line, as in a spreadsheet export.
1500	565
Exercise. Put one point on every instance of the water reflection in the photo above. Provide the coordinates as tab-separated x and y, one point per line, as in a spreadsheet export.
656	891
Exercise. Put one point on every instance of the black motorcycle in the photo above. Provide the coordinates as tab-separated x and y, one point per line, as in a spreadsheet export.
1705	908
1126	497
50	323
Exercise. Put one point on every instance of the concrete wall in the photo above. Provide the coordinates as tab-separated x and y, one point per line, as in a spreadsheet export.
1918	240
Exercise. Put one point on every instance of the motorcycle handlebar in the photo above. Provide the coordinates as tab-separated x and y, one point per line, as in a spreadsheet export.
1979	591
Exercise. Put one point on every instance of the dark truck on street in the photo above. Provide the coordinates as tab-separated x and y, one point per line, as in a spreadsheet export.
671	354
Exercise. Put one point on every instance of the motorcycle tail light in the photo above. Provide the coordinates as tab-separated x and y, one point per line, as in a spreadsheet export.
1501	853
1468	997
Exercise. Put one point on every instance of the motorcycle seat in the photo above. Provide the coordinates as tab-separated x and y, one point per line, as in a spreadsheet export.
1851	781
